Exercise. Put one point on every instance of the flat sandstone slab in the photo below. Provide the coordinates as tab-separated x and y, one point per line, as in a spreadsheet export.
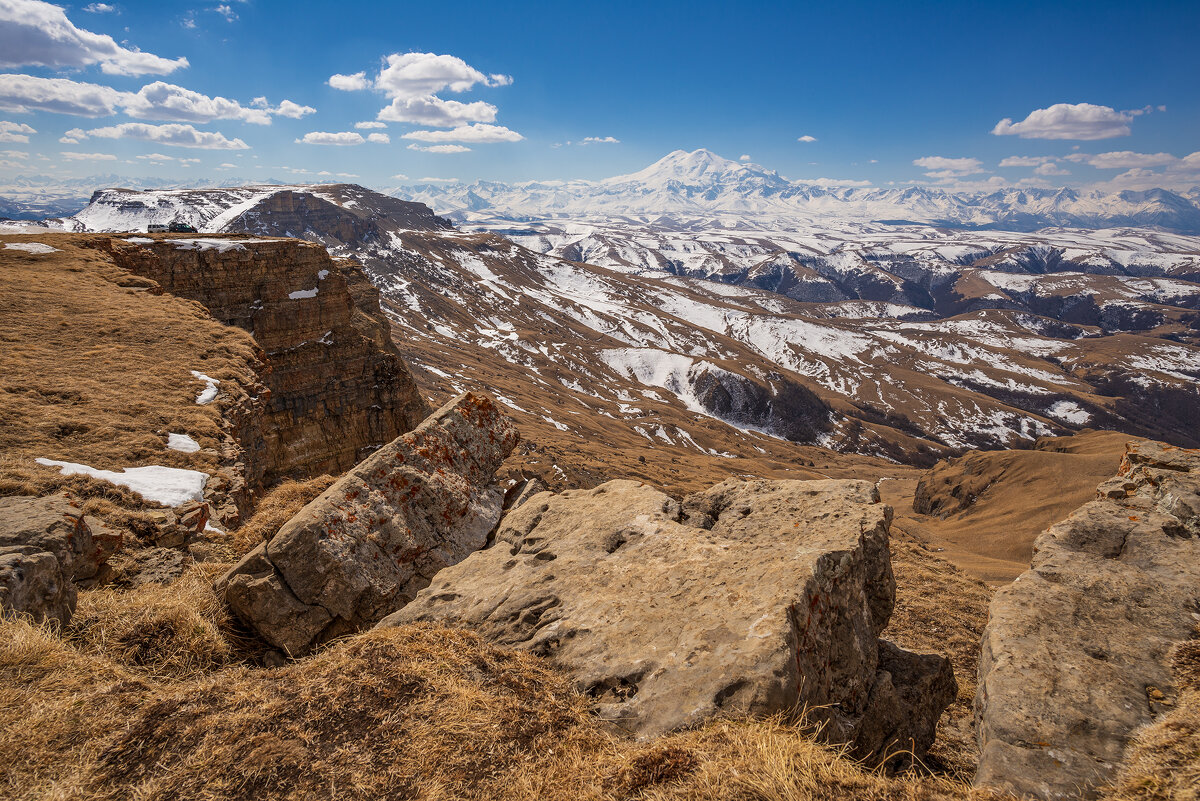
750	598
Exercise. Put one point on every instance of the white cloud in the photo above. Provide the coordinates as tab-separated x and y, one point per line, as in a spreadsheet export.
942	167
440	148
806	138
413	75
154	101
17	132
227	12
600	140
436	181
71	156
226	166
25	93
349	83
1083	121
835	182
34	33
73	136
165	101
174	135
744	157
477	133
99	8
430	110
343	138
1050	168
1025	161
399	177
293	110
1123	159
160	157
370	124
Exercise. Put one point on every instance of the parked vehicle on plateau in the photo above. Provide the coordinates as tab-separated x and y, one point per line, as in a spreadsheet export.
181	228
155	228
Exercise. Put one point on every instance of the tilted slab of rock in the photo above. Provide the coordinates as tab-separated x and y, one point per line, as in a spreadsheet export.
370	542
751	598
1074	656
46	545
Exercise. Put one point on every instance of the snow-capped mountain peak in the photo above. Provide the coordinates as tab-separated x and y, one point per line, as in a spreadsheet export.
698	168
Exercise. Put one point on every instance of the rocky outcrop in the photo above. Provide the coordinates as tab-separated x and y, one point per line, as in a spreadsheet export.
46	546
1075	654
377	536
337	386
751	598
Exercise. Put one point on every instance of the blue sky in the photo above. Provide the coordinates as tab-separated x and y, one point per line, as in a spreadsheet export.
1093	93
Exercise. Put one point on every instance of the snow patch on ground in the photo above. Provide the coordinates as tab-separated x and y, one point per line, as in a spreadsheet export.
169	486
209	393
303	293
31	247
182	443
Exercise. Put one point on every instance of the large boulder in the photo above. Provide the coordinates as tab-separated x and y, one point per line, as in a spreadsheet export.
370	542
46	546
1075	653
751	598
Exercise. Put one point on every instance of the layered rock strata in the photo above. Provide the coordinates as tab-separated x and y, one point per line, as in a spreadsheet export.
337	386
750	598
377	536
1075	655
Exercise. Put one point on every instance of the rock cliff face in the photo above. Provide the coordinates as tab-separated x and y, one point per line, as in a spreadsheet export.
337	386
755	597
1075	656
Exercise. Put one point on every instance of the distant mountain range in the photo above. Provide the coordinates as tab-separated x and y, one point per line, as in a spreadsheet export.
702	186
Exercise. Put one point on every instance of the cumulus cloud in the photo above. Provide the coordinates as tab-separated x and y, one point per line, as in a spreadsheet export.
73	136
942	167
26	93
1050	168
475	134
154	101
369	124
1123	159
72	156
99	8
227	12
600	140
165	101
1025	161
832	183
349	83
174	135
744	157
1082	121
38	34
293	110
806	138
157	158
440	148
17	132
431	110
342	138
413	75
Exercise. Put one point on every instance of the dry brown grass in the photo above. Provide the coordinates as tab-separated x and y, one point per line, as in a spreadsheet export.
96	369
1163	761
418	712
941	610
275	508
173	631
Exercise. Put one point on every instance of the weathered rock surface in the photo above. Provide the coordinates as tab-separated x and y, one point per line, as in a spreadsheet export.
337	386
750	598
46	545
370	542
1075	654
